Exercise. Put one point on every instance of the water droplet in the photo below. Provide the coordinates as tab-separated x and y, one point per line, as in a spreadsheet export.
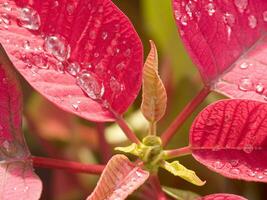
6	6
177	14
115	85
120	66
251	173
104	35
252	21
218	164
229	19
265	172
127	52
241	5
234	163
26	189
260	176
139	174
29	18
73	68
90	85
60	67
15	188
189	8
70	9
245	84
248	148
244	65
75	106
234	171
55	4
184	20
210	9
26	45
96	55
259	88
58	47
264	16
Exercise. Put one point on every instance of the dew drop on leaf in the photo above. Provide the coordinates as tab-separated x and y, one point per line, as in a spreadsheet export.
90	85
73	68
251	173
245	84
248	148
218	164
7	6
29	18
241	5
234	171
184	20
259	88
252	21
210	7
244	65
58	47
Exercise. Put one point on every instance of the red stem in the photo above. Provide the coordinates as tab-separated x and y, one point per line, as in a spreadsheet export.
126	129
174	153
187	111
74	167
155	181
104	146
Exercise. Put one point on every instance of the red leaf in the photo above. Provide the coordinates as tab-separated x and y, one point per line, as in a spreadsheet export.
227	41
18	181
222	197
16	174
230	137
72	50
119	179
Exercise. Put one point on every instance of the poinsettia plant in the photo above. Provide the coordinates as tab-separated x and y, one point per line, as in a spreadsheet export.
87	59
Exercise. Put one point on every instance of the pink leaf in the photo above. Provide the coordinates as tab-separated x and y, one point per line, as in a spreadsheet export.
119	179
230	137
222	197
227	41
70	51
18	181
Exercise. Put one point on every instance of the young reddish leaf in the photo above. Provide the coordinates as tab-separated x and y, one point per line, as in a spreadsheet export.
227	41
80	55
119	179
230	137
154	94
16	174
18	181
222	197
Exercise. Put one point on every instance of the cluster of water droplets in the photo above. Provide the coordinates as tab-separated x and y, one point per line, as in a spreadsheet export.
247	83
185	11
88	77
237	167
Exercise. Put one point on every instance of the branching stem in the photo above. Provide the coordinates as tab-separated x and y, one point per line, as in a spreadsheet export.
187	111
74	167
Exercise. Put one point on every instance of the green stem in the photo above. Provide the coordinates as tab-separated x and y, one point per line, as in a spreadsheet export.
187	111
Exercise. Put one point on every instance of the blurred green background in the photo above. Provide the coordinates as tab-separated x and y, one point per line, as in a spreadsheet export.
61	135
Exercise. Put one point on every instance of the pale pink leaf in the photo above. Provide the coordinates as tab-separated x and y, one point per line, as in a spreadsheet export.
227	41
119	179
230	138
17	179
222	197
70	51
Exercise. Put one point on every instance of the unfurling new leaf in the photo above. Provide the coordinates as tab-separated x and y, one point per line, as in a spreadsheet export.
178	169
154	94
